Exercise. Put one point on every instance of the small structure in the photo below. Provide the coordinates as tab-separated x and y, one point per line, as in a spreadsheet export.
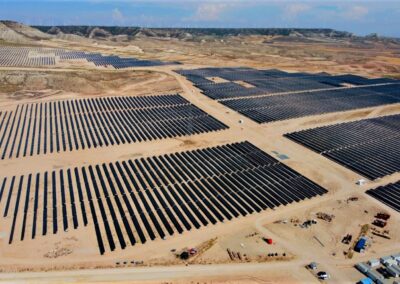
393	271
374	262
396	257
379	270
374	276
363	267
388	261
361	182
396	267
360	245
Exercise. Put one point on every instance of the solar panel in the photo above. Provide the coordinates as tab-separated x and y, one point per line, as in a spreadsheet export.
387	194
122	120
368	147
273	95
38	57
154	198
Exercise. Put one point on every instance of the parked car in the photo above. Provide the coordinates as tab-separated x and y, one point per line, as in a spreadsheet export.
312	266
323	275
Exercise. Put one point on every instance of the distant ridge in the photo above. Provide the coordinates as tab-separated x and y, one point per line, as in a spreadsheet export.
14	32
106	31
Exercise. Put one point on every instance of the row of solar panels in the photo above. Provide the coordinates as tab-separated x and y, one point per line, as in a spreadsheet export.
35	61
69	125
301	95
109	60
338	136
134	201
370	146
27	56
238	73
250	74
267	82
282	107
388	194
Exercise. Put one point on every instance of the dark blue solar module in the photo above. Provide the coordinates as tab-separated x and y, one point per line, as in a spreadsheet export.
100	122
109	60
281	107
267	81
369	147
136	201
387	194
36	56
272	95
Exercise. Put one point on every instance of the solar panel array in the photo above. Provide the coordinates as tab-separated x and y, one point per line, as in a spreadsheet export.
67	125
387	194
108	60
36	57
20	56
369	147
266	81
135	201
295	94
282	107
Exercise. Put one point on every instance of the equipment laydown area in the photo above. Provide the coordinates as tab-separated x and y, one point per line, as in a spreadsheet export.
155	197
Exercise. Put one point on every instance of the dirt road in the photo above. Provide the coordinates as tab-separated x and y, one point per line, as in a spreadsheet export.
160	274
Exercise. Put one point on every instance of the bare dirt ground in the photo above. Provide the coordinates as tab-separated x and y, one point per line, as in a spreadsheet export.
371	58
23	86
155	262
